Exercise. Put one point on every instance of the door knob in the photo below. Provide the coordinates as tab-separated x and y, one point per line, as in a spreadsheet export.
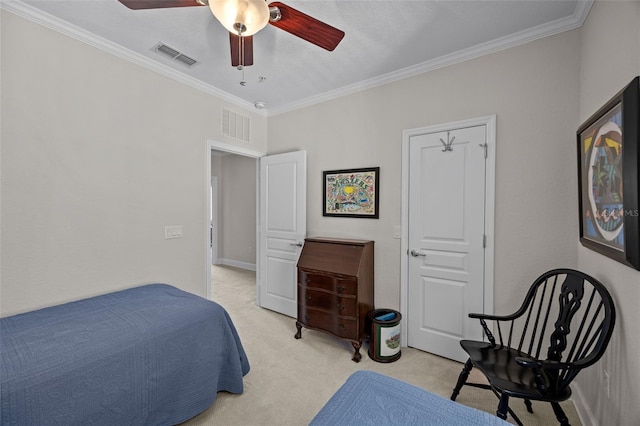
417	253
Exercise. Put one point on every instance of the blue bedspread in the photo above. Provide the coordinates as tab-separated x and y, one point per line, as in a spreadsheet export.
151	355
369	398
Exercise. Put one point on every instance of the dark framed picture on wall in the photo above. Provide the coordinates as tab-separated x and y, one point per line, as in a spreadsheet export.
351	192
608	158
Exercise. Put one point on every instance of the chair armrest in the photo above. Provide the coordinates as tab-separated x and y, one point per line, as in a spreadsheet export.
485	328
528	362
498	318
543	365
493	317
487	332
536	366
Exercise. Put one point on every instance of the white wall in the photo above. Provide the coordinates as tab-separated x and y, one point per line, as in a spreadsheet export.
532	88
540	92
98	155
216	170
610	59
238	210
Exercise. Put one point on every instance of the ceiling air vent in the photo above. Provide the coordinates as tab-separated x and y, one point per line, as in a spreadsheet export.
174	54
235	125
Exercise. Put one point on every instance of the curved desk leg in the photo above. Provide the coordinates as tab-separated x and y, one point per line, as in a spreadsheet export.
356	356
299	332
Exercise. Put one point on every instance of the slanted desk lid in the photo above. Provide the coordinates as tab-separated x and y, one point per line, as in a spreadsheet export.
344	257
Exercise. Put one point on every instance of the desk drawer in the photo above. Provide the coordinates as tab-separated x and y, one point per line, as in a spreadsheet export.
335	284
340	326
339	305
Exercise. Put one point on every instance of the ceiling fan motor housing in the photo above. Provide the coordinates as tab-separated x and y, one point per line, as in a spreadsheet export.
242	17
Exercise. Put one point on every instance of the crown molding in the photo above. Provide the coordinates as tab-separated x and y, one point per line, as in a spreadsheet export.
555	27
545	30
49	21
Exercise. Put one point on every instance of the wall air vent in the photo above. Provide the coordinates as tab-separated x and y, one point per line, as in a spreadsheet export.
174	54
235	125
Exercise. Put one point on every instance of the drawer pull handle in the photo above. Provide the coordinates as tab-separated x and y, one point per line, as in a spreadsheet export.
340	307
308	298
341	288
341	326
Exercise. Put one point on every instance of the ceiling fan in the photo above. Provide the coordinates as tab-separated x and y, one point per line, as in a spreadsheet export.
244	18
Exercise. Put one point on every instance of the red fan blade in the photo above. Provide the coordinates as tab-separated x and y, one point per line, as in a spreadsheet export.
307	28
158	4
241	46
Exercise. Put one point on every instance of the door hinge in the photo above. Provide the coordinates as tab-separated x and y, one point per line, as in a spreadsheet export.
485	146
484	240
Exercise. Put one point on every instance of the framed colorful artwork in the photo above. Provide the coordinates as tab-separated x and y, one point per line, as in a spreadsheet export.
608	158
351	192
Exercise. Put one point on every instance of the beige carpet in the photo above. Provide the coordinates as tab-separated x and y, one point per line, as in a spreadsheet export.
290	380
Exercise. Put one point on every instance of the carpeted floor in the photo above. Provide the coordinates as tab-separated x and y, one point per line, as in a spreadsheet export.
290	380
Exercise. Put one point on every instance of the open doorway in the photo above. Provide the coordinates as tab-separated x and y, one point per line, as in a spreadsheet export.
231	229
279	226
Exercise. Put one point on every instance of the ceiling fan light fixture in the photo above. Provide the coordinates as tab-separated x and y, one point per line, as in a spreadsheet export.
241	17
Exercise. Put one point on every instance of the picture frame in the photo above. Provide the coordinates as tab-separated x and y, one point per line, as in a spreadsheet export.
351	193
608	179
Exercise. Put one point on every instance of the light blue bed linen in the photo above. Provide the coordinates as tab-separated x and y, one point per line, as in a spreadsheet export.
369	398
150	355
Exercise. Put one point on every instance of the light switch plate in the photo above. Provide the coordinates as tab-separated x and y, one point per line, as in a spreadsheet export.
172	231
397	232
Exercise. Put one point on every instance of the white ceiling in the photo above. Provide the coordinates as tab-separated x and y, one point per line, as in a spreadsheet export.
384	41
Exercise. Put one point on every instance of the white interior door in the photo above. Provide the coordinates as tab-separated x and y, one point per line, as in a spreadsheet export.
283	185
446	239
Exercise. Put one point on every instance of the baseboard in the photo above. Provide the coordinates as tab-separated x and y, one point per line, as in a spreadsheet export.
582	407
237	264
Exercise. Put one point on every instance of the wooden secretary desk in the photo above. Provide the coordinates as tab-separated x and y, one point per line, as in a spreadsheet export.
335	288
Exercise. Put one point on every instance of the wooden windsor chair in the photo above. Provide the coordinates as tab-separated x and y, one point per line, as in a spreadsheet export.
563	326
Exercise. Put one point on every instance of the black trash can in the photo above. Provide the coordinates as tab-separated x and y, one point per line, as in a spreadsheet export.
384	341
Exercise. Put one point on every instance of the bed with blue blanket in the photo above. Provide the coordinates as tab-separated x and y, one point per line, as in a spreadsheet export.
369	398
150	355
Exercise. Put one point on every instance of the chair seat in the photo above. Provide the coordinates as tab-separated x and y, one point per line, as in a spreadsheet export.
499	365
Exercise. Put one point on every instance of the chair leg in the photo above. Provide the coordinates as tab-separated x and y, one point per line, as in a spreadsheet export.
527	402
560	415
462	379
508	409
503	407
